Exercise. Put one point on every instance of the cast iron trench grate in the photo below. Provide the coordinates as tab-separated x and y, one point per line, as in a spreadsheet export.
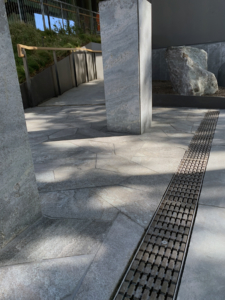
156	270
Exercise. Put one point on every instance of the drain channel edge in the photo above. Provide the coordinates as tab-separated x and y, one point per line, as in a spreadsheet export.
156	269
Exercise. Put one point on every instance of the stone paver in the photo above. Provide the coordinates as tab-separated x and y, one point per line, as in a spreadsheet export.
55	238
47	279
110	260
99	190
85	204
213	192
204	275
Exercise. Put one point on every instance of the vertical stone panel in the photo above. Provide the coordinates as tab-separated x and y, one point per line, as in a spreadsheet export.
81	71
127	64
19	199
145	60
99	66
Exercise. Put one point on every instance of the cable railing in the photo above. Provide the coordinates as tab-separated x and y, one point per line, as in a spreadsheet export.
21	49
52	14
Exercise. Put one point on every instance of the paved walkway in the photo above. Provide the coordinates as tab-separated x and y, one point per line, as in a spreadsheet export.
99	191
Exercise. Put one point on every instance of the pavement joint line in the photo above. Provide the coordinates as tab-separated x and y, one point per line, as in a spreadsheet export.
76	105
156	269
202	204
84	187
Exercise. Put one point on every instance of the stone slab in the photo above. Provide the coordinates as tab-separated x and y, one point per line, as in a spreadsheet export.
19	199
85	179
55	238
93	146
147	182
138	205
50	279
111	260
161	150
128	149
80	204
213	192
213	186
114	163
204	276
160	165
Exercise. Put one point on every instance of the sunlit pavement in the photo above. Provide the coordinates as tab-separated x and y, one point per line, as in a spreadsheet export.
99	191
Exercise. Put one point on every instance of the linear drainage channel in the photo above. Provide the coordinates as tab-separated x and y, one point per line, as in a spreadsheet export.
156	270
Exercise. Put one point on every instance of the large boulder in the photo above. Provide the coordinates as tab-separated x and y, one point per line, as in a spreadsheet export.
188	71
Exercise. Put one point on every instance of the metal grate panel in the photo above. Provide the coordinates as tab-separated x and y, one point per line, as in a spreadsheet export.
156	269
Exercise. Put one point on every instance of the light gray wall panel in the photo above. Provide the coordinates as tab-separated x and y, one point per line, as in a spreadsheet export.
187	22
80	68
65	77
90	66
99	66
43	86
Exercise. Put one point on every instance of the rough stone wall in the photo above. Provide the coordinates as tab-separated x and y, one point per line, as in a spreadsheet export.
19	199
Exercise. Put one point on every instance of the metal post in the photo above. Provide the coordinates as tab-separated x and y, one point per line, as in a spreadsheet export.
49	23
91	22
89	6
85	55
57	73
78	18
28	80
93	65
62	15
43	13
18	2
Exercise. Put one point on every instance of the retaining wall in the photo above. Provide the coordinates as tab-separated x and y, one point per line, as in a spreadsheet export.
44	85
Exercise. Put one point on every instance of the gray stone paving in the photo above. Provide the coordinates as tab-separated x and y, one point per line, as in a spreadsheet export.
204	273
99	190
84	94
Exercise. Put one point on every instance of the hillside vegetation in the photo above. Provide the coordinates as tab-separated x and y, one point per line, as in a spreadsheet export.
26	34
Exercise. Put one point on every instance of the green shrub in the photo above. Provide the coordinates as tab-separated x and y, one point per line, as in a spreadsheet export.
26	34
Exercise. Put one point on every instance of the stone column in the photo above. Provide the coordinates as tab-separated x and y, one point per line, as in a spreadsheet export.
19	199
127	54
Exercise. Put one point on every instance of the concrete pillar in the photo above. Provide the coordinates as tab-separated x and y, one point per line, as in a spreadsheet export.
19	199
127	54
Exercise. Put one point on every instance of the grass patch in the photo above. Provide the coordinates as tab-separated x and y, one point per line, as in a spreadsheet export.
26	34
